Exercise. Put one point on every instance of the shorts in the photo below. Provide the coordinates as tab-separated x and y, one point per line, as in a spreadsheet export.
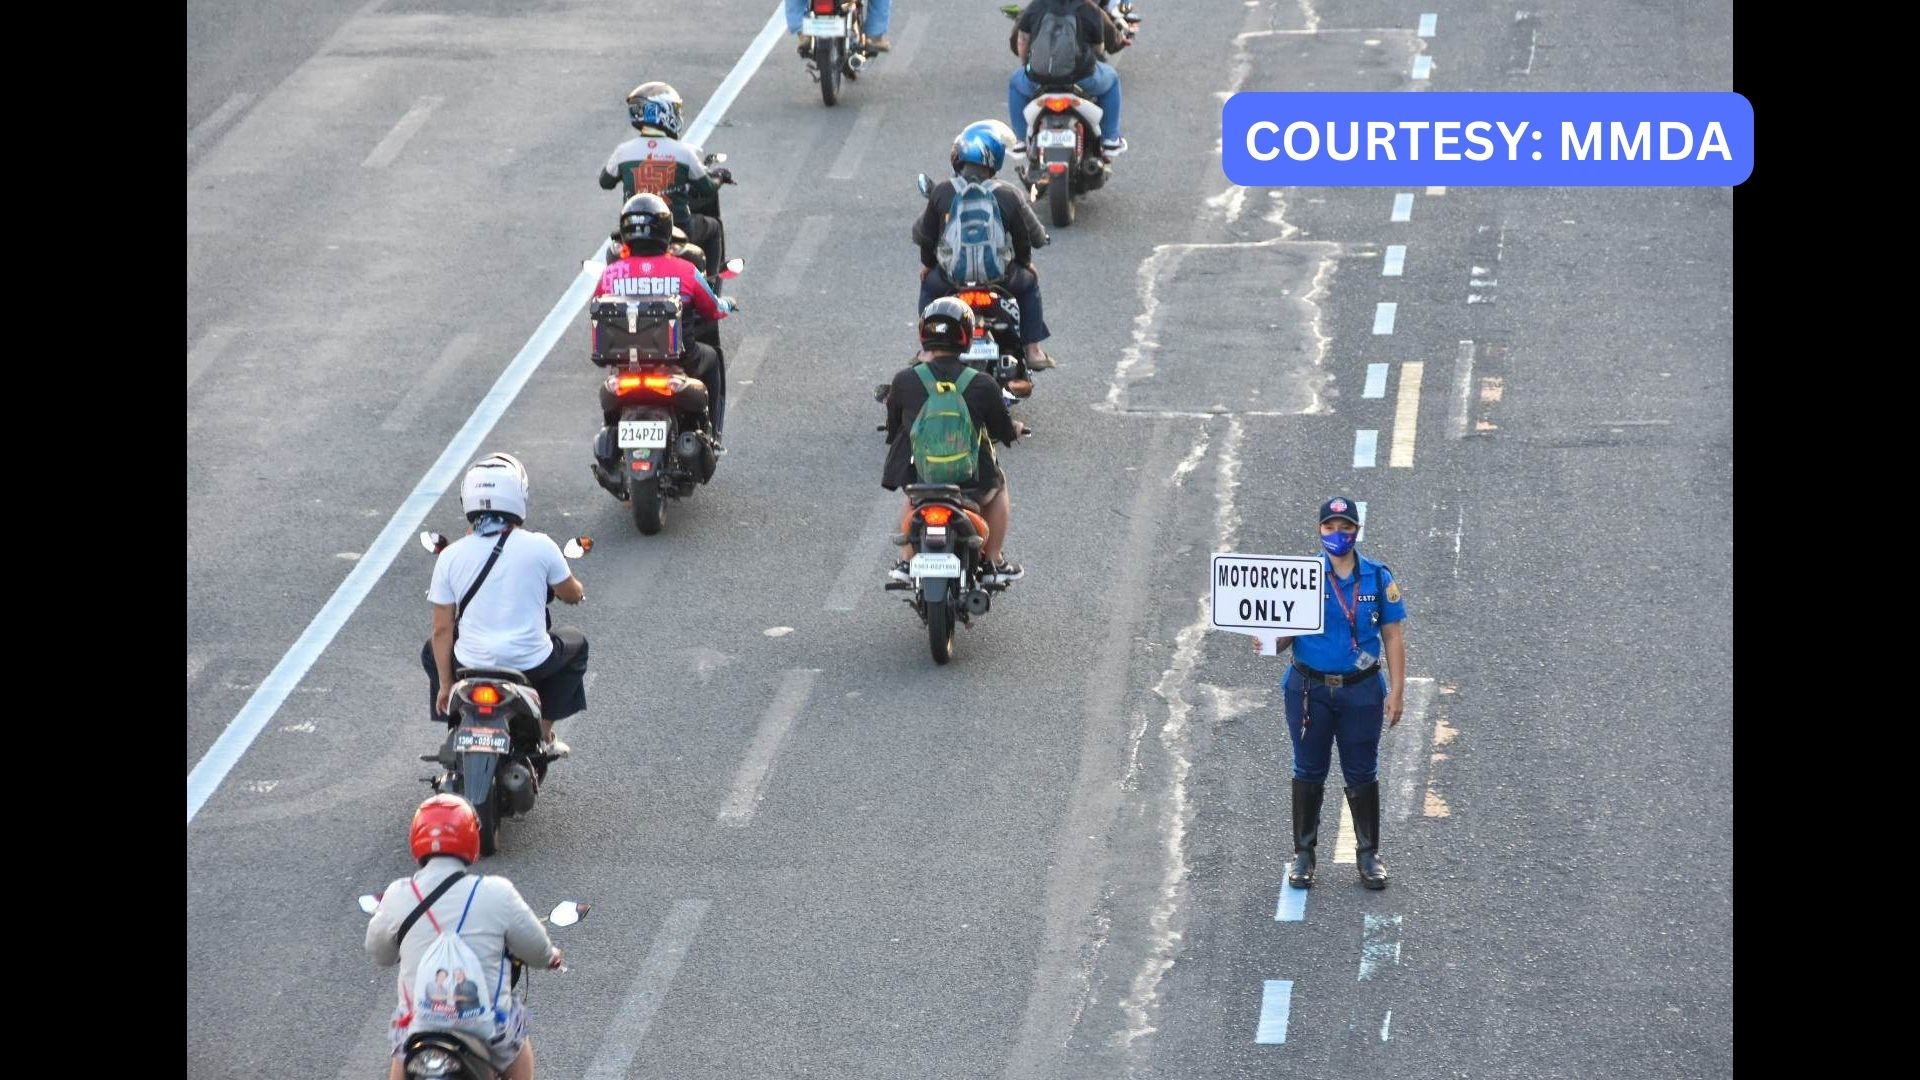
504	1049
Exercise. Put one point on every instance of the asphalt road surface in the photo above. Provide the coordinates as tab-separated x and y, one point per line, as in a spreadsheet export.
813	853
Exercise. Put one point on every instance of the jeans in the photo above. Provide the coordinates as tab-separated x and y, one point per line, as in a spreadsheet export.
1349	715
1022	283
879	16
1103	86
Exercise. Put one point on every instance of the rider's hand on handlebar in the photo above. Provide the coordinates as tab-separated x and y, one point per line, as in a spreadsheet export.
558	960
1020	429
722	175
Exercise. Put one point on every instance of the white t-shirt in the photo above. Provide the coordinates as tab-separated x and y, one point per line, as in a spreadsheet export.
506	624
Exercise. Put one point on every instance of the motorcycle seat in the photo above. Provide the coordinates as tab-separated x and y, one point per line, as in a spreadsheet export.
919	493
503	674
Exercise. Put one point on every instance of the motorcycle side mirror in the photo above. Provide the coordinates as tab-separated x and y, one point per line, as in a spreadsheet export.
926	185
716	159
733	268
1011	11
432	541
369	903
567	913
577	547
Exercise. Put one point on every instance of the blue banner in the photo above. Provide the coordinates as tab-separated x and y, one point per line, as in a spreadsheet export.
1400	139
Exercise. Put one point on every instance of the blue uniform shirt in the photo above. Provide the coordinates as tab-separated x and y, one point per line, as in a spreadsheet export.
1332	650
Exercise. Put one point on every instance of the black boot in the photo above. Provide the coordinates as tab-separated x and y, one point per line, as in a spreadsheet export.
1306	831
1365	803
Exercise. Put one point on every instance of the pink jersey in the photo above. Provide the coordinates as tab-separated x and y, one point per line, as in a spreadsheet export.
660	275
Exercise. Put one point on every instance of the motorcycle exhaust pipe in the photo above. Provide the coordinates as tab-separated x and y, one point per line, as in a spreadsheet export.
978	602
520	786
856	61
697	452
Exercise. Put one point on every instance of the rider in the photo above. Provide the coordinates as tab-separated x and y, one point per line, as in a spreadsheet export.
1001	251
489	596
657	161
1097	34
946	328
646	229
879	14
493	919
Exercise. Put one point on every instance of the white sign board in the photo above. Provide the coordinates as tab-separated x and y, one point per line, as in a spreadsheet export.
1267	596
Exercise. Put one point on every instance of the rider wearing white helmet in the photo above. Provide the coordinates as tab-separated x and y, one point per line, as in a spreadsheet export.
489	597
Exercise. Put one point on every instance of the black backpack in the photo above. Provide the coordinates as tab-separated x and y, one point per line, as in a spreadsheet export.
1057	54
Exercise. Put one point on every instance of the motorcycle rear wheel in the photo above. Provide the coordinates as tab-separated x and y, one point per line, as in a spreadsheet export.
940	630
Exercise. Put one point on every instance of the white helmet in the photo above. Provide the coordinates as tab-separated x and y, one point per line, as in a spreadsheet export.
496	483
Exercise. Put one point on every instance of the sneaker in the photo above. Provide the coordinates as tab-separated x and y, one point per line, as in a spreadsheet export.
879	44
1005	572
554	748
1112	148
719	449
1042	362
899	572
1019	148
806	47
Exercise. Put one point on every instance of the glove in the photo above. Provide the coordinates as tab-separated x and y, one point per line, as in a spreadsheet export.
721	175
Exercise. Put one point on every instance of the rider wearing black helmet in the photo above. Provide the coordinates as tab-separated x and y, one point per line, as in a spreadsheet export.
946	328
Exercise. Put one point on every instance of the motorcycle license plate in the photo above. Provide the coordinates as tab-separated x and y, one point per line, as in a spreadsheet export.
824	26
935	566
1055	137
643	434
982	349
481	740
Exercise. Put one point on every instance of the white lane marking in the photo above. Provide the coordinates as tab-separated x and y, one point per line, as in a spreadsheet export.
777	631
1385	1024
863	570
396	140
1364	442
1436	191
1422	66
793	266
1402	207
1379	945
1406	415
1361	536
1293	902
648	991
1276	1002
1376	381
197	136
1404	751
1459	530
195	664
745	364
212	346
910	39
1343	846
847	163
426	390
1396	263
273	690
1427	23
1462	388
1193	458
1312	18
744	798
736	80
1383	316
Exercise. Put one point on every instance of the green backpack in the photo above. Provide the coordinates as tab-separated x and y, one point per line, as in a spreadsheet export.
945	442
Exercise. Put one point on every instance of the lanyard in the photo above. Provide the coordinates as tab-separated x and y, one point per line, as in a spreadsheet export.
1352	613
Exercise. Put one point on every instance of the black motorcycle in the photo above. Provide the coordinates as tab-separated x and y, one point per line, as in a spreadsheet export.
947	565
492	756
1063	143
457	1055
839	43
661	446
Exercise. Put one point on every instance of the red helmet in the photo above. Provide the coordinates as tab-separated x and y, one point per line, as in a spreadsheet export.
445	825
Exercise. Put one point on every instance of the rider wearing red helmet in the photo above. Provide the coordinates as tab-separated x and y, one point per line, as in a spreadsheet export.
445	839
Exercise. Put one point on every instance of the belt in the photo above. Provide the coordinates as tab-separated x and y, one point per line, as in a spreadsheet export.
1349	679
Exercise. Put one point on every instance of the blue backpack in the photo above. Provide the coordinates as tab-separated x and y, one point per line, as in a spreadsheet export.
974	246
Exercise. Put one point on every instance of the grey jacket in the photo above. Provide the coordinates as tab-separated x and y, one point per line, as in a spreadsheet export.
500	921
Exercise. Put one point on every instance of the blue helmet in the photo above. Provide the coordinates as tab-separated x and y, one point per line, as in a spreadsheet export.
655	104
983	142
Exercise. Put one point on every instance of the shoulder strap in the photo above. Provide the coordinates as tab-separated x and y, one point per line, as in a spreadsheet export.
499	544
406	924
925	372
462	924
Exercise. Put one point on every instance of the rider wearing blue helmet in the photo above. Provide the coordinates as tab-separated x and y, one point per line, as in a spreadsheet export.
978	229
657	162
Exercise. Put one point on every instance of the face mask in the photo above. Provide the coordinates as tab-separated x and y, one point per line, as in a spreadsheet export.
1338	542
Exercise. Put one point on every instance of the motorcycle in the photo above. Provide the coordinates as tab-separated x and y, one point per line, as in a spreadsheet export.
996	349
1063	138
664	431
947	535
456	1055
492	756
839	43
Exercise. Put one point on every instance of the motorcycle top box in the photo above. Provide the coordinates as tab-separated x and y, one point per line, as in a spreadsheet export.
629	330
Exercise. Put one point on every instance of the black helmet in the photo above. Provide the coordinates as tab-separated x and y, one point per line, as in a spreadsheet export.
946	324
646	224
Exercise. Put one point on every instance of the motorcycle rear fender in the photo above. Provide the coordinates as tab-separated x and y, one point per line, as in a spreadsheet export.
1088	111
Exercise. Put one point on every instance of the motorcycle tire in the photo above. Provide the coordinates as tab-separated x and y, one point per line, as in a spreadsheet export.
649	505
829	54
940	630
1060	201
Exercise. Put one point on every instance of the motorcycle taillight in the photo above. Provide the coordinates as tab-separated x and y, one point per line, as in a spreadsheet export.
826	7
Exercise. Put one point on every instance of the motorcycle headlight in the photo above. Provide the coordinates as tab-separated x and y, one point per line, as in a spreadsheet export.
432	1061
